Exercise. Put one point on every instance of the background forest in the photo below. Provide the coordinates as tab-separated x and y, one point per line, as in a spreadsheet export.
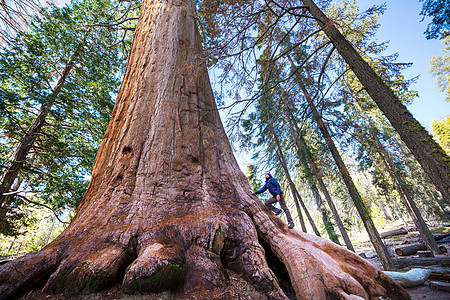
291	105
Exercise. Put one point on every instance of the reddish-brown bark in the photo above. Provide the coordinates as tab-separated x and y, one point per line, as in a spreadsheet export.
168	208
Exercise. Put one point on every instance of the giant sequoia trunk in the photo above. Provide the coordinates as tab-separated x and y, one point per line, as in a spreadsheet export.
168	208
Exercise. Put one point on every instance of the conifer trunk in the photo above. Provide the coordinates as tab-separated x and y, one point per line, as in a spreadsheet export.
361	207
401	187
291	183
323	211
299	210
168	210
300	143
21	152
428	153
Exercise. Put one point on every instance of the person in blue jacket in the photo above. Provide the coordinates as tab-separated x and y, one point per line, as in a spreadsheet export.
275	189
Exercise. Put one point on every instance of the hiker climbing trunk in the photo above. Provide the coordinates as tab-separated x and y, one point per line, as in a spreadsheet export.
20	154
428	153
325	218
270	120
294	189
168	210
294	193
361	207
400	185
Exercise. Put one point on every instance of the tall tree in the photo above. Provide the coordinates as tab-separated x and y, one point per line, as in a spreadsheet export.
55	103
427	152
401	186
168	204
363	212
301	145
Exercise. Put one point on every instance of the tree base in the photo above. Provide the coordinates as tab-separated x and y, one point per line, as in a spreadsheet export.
214	253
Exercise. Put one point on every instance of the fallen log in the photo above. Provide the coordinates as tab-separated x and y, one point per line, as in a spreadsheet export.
439	273
414	248
425	253
444	240
401	263
438	237
441	286
410	249
389	233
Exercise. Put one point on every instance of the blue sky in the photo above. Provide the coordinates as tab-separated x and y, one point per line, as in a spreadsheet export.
402	27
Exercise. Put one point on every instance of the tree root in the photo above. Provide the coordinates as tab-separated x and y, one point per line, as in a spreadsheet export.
202	259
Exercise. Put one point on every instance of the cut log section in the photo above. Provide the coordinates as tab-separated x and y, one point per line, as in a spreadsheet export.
412	249
389	233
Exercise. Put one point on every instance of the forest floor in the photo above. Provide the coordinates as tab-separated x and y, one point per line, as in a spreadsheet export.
420	292
362	245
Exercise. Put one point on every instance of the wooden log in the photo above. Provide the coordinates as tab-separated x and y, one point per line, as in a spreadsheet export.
410	249
445	240
438	237
425	253
398	231
441	286
439	273
443	249
414	248
402	263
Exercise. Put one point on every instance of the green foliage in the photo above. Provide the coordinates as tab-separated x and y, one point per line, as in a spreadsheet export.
441	131
439	11
440	68
34	236
251	173
59	163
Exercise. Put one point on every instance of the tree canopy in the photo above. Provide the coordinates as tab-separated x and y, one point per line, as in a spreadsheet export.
439	12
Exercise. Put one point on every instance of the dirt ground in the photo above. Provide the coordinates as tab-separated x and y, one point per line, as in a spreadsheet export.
417	293
424	292
420	292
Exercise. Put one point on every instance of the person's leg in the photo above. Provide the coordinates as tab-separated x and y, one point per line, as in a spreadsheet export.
269	203
286	209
